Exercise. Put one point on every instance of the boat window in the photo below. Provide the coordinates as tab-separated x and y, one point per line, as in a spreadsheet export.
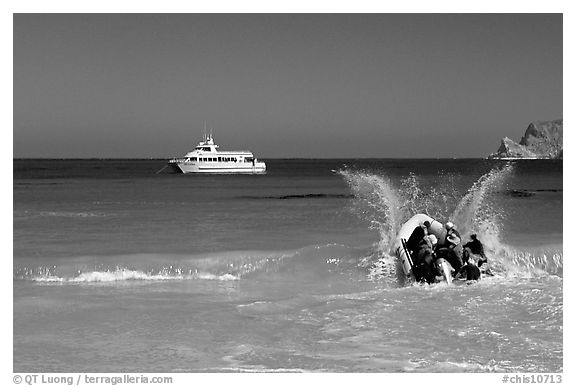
193	159
248	159
206	149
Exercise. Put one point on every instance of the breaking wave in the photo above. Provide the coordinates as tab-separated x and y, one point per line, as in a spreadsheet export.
148	268
309	263
123	274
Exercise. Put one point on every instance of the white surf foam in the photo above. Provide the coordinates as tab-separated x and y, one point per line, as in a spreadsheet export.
120	275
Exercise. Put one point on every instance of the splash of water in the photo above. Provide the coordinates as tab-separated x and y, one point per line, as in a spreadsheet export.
538	262
377	201
475	212
511	262
434	200
387	206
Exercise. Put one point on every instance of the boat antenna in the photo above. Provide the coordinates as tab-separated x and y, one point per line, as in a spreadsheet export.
204	131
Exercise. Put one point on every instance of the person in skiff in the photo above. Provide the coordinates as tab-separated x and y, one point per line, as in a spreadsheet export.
417	236
431	240
475	247
452	250
469	270
423	259
453	237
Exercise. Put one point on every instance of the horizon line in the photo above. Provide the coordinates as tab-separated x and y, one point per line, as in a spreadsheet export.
284	158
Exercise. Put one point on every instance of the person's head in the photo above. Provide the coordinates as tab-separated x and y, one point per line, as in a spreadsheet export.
449	225
473	236
433	239
427	224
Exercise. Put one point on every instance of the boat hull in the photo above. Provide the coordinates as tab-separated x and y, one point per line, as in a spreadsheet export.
221	168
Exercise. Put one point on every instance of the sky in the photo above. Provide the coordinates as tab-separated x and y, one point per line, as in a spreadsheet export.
282	85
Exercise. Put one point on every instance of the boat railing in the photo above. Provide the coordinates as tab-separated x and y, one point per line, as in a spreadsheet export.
235	152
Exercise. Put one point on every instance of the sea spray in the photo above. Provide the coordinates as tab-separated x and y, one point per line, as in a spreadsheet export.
435	200
387	205
476	213
376	201
512	262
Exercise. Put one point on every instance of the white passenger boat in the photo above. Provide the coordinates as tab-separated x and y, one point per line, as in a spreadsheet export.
206	158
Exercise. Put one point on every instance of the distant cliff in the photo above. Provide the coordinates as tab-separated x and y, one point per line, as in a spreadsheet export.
542	140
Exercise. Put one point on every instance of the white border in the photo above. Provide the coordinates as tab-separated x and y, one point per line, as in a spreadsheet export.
300	6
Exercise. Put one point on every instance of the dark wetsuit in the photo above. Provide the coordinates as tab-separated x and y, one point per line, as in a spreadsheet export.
415	238
477	248
472	272
423	268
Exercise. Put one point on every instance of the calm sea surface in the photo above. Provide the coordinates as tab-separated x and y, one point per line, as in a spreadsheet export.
120	266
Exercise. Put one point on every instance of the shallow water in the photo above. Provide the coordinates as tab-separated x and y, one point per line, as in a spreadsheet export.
117	268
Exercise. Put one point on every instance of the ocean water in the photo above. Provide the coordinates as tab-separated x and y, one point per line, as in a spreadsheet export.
120	266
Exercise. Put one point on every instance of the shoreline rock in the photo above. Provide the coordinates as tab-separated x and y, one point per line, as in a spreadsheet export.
542	140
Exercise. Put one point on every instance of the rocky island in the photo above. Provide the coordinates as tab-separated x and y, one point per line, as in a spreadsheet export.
542	140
